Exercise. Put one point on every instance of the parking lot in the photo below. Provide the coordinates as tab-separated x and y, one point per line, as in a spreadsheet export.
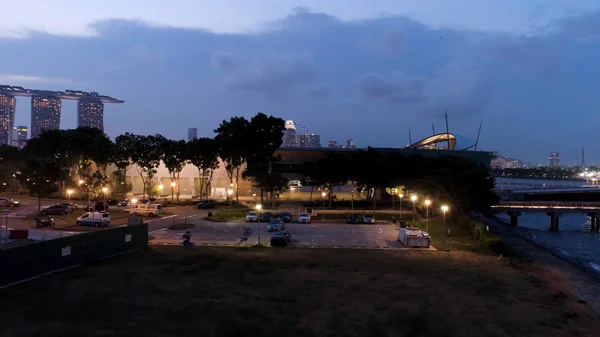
341	235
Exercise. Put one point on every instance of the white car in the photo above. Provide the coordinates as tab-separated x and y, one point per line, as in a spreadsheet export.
252	217
304	218
96	219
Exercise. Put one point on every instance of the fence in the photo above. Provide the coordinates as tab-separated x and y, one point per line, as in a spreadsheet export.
25	262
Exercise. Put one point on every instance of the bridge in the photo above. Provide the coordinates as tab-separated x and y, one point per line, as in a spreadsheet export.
554	209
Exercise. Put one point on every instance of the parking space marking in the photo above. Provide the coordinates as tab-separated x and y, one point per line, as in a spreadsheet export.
354	231
166	217
156	231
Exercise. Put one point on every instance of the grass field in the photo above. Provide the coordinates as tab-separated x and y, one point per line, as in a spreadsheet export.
172	291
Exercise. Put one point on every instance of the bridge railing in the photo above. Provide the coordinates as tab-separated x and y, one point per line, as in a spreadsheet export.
549	204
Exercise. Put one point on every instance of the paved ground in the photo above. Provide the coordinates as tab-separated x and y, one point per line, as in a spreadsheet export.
303	235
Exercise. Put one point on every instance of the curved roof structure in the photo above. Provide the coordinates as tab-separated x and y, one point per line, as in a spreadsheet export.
449	138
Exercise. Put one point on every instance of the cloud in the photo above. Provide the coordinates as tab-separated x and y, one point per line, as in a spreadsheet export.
389	43
277	73
15	79
222	61
143	55
398	89
320	91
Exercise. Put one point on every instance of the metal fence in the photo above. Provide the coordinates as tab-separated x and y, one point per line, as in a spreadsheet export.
25	262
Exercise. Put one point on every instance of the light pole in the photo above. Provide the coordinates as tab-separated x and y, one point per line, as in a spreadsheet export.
393	192
80	183
427	203
6	213
323	195
69	192
444	209
160	188
413	198
401	196
104	190
173	184
258	207
230	193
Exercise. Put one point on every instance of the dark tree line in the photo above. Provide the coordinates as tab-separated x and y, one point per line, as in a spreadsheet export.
462	183
57	160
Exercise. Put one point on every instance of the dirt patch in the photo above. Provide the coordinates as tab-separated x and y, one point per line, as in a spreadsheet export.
296	292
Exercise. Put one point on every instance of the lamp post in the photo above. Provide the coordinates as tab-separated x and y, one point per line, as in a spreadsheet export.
80	183
323	195
229	193
401	196
173	184
6	213
258	207
413	198
427	203
393	192
160	188
104	190
444	209
69	192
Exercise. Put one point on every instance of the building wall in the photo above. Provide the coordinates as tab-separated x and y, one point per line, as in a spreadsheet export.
7	117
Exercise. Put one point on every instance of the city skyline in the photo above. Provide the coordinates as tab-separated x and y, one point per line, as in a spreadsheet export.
349	73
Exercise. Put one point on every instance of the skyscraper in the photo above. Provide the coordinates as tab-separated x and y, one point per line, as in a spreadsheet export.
554	159
90	113
350	144
19	138
45	114
7	116
192	134
290	138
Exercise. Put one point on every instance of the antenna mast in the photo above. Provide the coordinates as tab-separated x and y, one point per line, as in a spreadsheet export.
433	127
478	134
447	132
409	138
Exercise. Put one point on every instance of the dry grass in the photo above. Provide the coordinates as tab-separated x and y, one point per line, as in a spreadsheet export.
172	291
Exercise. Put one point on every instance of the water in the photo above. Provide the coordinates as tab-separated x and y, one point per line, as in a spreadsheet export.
573	238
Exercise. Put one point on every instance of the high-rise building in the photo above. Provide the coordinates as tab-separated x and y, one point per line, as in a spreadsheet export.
290	138
332	143
350	144
20	136
192	134
45	114
7	117
90	113
309	140
554	159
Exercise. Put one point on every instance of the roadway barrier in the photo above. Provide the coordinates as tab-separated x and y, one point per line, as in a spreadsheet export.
26	262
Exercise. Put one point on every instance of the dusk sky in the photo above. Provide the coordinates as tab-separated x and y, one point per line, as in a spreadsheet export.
366	70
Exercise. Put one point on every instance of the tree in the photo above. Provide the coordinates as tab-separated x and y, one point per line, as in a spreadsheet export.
330	171
175	157
232	143
39	176
203	153
10	163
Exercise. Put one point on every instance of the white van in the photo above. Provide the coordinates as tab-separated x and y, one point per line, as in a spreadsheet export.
146	209
96	219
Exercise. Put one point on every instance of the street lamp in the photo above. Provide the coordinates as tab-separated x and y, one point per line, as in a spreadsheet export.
427	203
258	207
230	192
173	184
444	209
160	188
413	198
104	190
323	195
6	213
401	195
69	192
393	192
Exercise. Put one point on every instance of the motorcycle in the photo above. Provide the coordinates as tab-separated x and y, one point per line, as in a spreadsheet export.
40	223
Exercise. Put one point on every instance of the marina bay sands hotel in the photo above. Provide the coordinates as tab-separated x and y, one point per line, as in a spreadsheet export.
46	107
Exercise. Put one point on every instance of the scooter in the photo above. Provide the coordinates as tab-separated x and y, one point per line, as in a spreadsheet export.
40	223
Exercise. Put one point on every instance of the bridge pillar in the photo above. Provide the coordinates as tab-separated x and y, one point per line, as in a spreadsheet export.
594	222
554	220
514	217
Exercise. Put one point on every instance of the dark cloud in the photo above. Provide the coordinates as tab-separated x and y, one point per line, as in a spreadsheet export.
398	89
320	91
276	73
222	61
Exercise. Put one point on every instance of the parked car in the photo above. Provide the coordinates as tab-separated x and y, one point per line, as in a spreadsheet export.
252	216
353	219
285	216
96	219
146	209
275	225
265	217
369	219
206	204
122	203
70	206
304	218
55	210
281	238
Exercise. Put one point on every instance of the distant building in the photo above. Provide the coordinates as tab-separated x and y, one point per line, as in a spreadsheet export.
293	139
18	137
90	113
7	116
501	163
192	134
350	144
554	159
309	140
45	114
290	138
